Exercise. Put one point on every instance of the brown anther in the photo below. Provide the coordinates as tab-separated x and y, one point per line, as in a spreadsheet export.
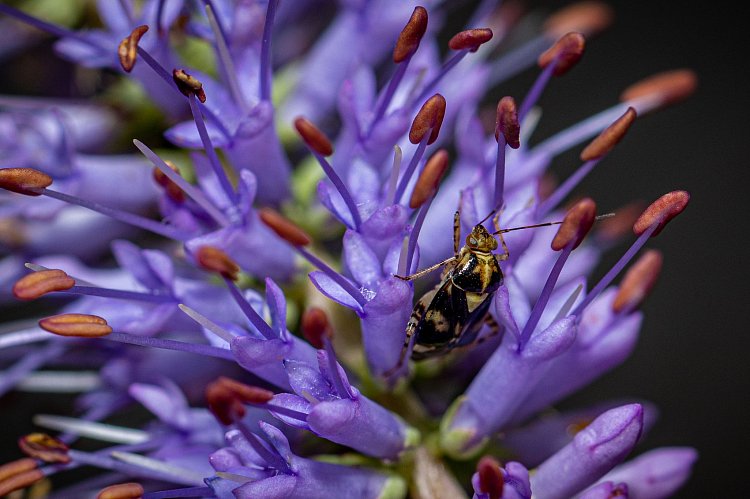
315	326
20	481
471	39
638	282
283	227
173	190
506	122
411	35
247	394
188	85
225	407
38	284
131	490
589	17
81	325
127	51
16	467
661	212
44	447
610	137
313	137
670	87
430	116
491	481
429	180
215	260
26	181
614	228
576	224
565	53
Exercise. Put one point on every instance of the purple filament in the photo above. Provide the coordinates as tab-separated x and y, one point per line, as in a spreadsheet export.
566	187
341	188
500	171
185	492
122	216
265	52
29	363
104	461
270	457
387	96
120	294
447	66
335	276
333	368
253	316
414	235
412	166
541	302
164	344
285	411
616	269
536	90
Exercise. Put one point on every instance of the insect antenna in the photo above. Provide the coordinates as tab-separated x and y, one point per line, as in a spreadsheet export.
503	231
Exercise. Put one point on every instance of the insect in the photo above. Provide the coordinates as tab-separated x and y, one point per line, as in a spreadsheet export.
452	314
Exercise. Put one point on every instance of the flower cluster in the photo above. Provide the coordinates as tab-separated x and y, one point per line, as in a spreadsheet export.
272	367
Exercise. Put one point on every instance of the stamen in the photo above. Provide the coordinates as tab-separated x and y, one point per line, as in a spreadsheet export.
470	39
259	445
79	325
206	323
223	404
131	490
563	312
283	227
338	183
576	224
176	473
638	282
180	346
411	35
564	54
428	119
265	52
171	188
172	174
612	230
409	171
589	17
16	467
24	337
184	492
215	260
38	284
91	429
592	154
662	89
253	316
245	393
225	61
127	51
395	170
491	481
313	137
429	180
315	326
610	137
507	131
414	234
20	480
44	447
335	276
25	181
188	85
661	211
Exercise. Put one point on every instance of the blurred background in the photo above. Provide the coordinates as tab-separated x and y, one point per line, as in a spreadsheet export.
691	358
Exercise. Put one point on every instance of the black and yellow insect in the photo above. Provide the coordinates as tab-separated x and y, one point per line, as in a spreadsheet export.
452	314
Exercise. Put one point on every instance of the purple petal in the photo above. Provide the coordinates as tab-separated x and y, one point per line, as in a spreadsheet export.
224	459
277	487
295	403
277	306
361	261
186	135
278	440
332	290
167	402
324	367
307	382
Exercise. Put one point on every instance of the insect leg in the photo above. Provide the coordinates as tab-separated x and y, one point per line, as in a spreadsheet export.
496	223
410	328
425	271
456	230
494	327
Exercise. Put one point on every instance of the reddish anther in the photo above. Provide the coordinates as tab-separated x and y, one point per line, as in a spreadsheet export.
20	481
315	326
430	116
589	17
661	212
506	122
610	137
411	35
38	284
283	227
614	228
80	325
16	467
188	85
127	51
491	480
576	224
471	39
429	180
313	137
565	53
670	87
226	397
44	447
173	190
638	282
245	393
215	260
130	490
26	181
